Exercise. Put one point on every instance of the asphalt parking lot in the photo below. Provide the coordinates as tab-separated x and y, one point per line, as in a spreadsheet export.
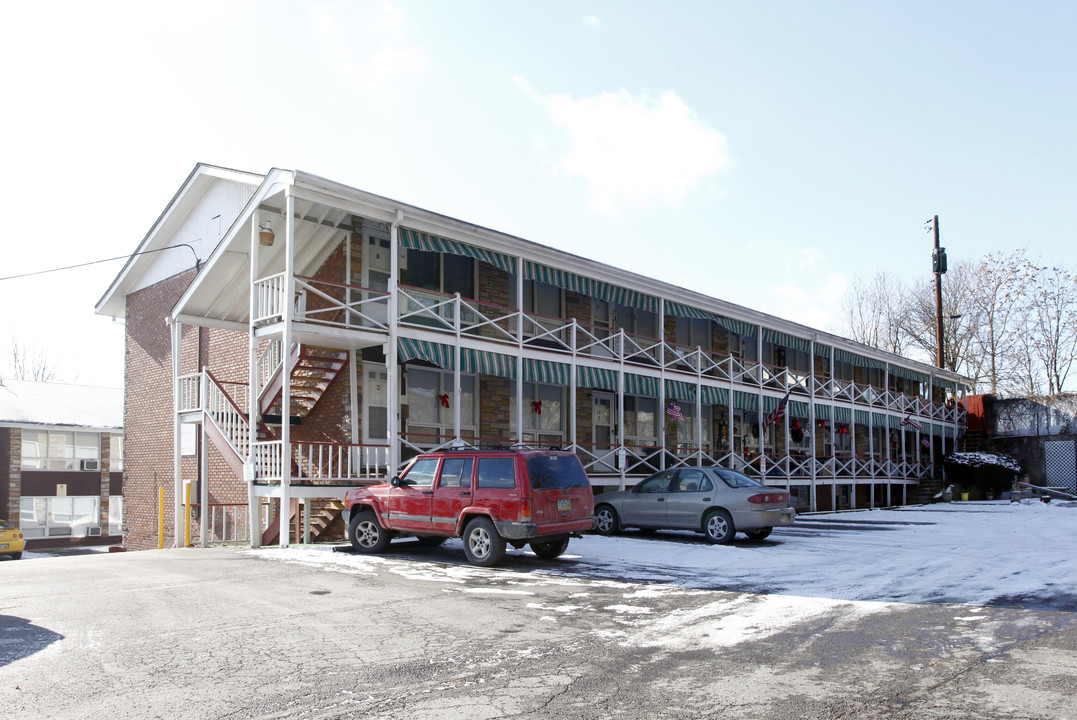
311	633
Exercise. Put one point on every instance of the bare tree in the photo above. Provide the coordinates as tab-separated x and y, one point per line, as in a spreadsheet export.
31	363
998	303
959	322
873	311
1053	320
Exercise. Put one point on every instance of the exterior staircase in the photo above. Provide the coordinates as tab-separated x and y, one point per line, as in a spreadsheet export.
972	440
313	372
326	521
927	489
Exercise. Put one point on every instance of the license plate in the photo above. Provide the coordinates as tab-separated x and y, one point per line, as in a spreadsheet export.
3	546
564	505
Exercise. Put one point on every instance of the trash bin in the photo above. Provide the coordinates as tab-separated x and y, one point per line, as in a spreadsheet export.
964	497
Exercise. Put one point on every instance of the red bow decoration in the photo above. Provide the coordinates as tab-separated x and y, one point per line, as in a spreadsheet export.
536	405
444	400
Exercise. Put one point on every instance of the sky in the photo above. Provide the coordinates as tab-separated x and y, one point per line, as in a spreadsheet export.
762	153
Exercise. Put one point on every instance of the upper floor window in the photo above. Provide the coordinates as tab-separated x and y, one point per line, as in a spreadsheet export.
442	272
115	452
59	450
540	298
693	332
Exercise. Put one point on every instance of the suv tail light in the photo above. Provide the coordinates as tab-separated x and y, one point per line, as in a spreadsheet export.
526	513
774	497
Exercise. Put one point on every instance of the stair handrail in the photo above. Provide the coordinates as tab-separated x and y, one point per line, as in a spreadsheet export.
270	362
226	415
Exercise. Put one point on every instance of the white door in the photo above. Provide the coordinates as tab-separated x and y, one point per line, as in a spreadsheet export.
604	431
375	415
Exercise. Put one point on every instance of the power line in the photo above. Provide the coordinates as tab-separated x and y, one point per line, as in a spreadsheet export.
197	262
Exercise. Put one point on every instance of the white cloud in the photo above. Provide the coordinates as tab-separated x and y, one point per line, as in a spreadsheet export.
633	150
591	21
371	49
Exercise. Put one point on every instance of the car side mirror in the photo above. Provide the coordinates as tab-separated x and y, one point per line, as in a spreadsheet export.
395	482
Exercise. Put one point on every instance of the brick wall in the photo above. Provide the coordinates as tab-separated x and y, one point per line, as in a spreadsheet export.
10	473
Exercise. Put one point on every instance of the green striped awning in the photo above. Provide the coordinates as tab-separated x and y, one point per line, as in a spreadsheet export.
843	414
710	395
740	327
936	430
789	341
949	431
641	385
908	374
432	243
589	286
822	412
597	378
677	390
678	310
894	421
436	353
859	360
878	419
798	409
863	417
745	401
822	350
943	383
487	363
543	371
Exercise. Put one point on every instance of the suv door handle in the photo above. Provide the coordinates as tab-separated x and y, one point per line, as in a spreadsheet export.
466	492
428	492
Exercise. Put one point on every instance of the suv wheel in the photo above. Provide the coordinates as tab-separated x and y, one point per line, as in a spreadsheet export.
549	550
482	545
367	534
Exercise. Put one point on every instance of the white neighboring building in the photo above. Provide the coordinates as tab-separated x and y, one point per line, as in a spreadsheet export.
61	461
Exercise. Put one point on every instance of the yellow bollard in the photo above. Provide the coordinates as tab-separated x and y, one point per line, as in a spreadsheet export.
161	521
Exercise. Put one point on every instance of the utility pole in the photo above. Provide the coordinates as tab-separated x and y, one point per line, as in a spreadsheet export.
938	266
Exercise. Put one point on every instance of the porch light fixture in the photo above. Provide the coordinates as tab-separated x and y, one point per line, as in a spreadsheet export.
265	233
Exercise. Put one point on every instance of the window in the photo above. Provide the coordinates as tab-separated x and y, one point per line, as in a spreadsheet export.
694	332
692	481
456	472
549	472
543	416
686	431
498	473
58	516
439	272
639	322
640	415
428	393
539	298
656	483
58	450
115	452
422	472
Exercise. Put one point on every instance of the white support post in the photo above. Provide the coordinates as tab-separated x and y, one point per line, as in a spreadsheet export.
203	477
177	458
622	455
393	370
254	509
286	368
457	386
573	378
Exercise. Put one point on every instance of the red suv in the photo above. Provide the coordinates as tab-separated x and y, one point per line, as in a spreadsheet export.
487	497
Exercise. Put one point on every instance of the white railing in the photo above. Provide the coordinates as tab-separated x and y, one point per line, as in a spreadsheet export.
269	298
269	364
190	392
340	461
227	416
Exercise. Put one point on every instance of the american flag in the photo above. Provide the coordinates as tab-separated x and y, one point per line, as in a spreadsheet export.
910	420
674	411
777	413
925	442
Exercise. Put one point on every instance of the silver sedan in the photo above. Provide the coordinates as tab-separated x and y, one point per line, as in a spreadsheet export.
714	501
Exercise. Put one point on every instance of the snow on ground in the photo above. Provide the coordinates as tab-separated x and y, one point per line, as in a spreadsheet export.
826	571
950	552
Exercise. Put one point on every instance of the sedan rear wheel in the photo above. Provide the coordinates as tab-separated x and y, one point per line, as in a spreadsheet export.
718	527
606	520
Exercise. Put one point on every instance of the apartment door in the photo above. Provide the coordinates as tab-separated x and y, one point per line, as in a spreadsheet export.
604	431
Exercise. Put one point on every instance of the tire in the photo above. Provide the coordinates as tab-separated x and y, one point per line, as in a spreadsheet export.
760	534
606	520
431	540
366	533
718	527
549	550
482	545
16	556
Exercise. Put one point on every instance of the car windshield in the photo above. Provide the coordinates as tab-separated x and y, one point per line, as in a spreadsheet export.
556	471
4	524
735	479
